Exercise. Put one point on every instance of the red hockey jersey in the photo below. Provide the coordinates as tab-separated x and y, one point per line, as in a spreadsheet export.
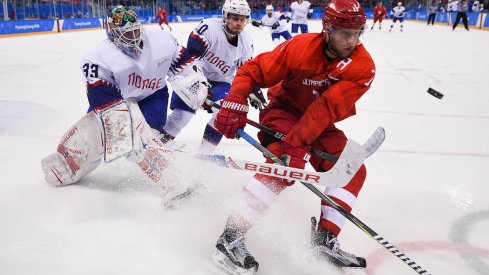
324	91
379	11
162	16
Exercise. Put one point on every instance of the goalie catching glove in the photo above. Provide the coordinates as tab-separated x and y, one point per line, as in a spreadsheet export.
191	86
257	99
231	116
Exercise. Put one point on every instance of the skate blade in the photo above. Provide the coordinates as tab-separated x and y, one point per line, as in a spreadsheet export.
322	254
226	265
181	198
354	270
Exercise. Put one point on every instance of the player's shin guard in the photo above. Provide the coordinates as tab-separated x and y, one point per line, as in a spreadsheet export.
346	197
176	121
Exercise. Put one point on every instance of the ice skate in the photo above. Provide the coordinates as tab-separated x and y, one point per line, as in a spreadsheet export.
232	256
326	246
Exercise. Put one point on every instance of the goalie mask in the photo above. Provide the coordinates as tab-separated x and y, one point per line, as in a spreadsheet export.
125	30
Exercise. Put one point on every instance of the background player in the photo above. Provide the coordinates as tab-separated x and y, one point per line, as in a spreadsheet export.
462	8
222	45
128	98
300	12
277	22
398	14
379	14
310	90
162	16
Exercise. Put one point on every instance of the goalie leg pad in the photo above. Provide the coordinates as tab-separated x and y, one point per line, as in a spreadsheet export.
79	152
55	170
118	131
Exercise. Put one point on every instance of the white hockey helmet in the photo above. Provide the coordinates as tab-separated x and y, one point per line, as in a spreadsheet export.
399	4
125	30
269	8
239	7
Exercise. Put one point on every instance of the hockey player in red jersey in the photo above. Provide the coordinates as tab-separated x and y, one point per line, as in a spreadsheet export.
162	16
379	14
310	90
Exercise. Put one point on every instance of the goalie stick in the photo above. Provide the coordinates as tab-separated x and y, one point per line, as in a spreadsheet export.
370	146
369	231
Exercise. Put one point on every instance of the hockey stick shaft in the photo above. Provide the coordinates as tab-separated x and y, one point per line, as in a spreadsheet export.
280	135
369	231
262	23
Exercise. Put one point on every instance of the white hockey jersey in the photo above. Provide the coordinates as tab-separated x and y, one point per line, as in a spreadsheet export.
299	12
268	21
218	58
398	11
107	65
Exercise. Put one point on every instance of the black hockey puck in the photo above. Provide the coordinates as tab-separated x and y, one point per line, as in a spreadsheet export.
435	93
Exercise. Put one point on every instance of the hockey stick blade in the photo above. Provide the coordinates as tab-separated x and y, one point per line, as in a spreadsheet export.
374	142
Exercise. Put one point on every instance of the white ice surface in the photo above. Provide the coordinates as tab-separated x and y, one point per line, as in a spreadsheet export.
426	191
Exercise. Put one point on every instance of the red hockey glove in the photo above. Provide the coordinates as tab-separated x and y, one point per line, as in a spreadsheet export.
231	116
295	156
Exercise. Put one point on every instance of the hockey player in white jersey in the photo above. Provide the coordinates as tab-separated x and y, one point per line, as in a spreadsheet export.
300	12
221	45
398	14
277	22
128	98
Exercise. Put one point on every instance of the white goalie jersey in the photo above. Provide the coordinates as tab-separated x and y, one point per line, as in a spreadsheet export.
218	58
107	64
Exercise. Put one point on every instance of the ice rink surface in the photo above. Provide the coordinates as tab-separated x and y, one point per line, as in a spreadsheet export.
426	191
